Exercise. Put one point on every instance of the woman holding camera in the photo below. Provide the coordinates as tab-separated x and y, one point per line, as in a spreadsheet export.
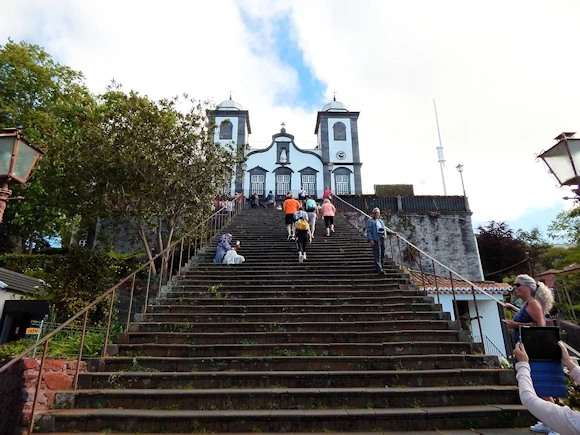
537	300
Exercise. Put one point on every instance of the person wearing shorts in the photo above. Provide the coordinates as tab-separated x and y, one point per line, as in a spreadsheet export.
290	207
328	210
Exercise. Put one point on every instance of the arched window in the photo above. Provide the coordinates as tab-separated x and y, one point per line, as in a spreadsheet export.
339	131
226	130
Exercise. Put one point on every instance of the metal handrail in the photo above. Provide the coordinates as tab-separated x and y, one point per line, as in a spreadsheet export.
451	273
214	222
428	256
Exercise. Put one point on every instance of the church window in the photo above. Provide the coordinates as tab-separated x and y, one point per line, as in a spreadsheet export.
339	131
282	184
342	184
309	184
226	130
257	184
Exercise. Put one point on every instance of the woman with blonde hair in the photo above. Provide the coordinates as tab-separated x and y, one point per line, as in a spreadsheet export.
537	301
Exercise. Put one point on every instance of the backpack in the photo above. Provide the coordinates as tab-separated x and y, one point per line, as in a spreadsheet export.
302	225
310	205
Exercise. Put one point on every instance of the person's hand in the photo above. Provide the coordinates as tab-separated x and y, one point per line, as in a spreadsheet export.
372	243
511	307
566	360
512	324
520	353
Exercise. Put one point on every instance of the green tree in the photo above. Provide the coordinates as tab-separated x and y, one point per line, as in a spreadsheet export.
501	253
38	94
159	168
566	227
535	244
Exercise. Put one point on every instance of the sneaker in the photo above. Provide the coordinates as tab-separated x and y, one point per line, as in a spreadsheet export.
539	427
304	256
300	258
288	237
332	229
553	433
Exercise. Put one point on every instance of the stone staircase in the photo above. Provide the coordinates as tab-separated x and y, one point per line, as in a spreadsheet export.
275	345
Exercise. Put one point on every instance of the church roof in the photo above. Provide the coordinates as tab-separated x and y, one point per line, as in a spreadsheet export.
229	105
335	106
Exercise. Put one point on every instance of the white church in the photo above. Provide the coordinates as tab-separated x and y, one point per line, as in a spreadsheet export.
283	165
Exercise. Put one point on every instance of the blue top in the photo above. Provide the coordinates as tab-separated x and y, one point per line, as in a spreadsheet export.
222	247
521	316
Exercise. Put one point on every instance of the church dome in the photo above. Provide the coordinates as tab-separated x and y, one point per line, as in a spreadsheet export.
229	105
335	106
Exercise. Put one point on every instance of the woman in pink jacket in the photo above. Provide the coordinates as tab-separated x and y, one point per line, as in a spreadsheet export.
327	210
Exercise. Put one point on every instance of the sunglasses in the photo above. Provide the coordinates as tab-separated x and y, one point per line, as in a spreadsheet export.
517	284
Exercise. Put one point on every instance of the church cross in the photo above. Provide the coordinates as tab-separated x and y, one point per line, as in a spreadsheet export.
230	94
283	124
334	93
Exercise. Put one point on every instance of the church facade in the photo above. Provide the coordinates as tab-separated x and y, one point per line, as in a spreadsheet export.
283	166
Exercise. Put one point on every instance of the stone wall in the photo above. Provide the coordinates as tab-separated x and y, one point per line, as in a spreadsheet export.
11	399
447	237
58	375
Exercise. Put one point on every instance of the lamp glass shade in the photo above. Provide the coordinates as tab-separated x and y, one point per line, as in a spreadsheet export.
24	160
558	159
6	149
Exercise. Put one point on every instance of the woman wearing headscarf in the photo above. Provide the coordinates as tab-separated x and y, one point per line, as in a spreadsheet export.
223	247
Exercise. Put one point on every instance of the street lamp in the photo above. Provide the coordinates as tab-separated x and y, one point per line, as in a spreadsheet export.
563	159
460	170
17	159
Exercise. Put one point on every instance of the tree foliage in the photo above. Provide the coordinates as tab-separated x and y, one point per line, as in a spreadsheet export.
566	227
38	95
500	251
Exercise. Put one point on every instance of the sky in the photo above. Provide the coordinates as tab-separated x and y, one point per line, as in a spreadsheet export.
504	76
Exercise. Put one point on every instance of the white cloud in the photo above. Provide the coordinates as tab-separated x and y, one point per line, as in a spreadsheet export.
503	75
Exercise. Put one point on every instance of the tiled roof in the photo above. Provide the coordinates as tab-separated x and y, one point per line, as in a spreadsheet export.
20	283
432	282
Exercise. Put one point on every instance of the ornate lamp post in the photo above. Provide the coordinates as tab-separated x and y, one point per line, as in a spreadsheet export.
563	159
460	170
17	159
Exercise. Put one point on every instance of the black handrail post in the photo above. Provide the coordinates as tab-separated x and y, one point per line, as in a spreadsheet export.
455	309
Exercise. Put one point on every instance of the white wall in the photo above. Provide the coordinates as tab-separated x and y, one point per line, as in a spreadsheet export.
298	161
234	121
341	145
490	323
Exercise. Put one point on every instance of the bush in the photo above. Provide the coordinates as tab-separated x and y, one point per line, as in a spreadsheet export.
392	190
75	278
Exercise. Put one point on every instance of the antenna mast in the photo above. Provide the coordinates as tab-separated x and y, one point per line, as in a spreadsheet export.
440	150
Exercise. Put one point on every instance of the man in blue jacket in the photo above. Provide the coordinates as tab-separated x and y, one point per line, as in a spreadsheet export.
376	232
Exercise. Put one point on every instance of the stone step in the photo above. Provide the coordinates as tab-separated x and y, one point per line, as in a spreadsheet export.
480	431
282	317
392	325
296	349
182	295
287	398
209	299
297	379
270	337
294	363
290	286
275	421
351	308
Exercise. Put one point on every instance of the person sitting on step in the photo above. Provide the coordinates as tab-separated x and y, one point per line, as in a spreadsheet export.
232	256
223	247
